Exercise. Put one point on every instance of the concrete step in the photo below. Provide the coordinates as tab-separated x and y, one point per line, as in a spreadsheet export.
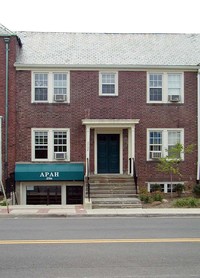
113	206
97	179
111	186
116	203
113	191
108	195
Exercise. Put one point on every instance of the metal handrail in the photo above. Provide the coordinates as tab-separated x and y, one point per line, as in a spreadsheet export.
132	167
135	175
88	179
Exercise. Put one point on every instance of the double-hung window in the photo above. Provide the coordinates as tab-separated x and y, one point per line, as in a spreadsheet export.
174	84
50	87
174	138
60	144
50	144
41	145
155	144
41	86
162	141
108	83
165	87
155	87
60	86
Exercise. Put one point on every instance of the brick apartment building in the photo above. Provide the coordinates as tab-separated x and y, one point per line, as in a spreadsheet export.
105	106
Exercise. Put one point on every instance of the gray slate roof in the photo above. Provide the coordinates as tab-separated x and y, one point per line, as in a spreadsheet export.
101	49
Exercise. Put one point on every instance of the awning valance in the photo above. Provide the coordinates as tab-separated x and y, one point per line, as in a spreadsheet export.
49	172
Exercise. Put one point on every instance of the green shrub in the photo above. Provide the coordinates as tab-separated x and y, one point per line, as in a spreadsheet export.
157	196
189	202
145	197
3	203
179	188
196	190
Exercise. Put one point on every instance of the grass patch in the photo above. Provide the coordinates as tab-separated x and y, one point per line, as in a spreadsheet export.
189	202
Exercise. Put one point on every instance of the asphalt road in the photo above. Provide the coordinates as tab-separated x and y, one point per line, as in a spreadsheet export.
100	247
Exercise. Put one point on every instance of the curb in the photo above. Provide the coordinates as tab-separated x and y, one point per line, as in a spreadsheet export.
144	215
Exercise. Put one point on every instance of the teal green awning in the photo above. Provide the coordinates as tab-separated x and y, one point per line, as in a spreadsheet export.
49	172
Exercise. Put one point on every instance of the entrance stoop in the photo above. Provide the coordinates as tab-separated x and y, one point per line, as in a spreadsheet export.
113	191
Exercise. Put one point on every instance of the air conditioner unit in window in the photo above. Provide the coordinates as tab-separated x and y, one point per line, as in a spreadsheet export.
59	98
174	98
156	155
60	155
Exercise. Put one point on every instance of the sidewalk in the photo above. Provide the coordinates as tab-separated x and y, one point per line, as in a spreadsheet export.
78	210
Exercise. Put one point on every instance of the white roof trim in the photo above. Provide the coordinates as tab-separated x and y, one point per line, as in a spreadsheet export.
112	66
119	123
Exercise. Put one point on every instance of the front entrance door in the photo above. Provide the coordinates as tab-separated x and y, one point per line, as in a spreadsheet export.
107	153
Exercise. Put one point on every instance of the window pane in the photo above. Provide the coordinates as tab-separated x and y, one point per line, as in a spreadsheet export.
169	188
155	144
41	145
41	86
60	91
155	87
162	187
60	141
108	78
41	80
174	84
40	94
174	137
60	83
155	94
108	89
108	83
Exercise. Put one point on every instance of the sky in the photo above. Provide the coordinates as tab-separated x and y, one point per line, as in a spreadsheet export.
105	16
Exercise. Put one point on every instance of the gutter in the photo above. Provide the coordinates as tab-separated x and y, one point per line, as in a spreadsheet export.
7	40
131	67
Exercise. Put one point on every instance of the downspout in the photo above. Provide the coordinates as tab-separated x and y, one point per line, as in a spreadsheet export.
0	149
7	40
198	123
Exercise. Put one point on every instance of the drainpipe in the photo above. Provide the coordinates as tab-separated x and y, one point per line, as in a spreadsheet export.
7	40
198	121
0	149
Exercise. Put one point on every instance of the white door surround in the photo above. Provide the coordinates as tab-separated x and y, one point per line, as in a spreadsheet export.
111	126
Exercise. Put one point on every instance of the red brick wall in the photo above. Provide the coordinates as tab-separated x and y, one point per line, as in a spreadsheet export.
169	116
11	100
85	102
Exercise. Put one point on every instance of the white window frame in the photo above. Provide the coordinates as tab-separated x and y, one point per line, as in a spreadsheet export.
50	132
165	89
165	185
115	73
50	92
165	144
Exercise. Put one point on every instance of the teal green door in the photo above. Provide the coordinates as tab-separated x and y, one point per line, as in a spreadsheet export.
108	153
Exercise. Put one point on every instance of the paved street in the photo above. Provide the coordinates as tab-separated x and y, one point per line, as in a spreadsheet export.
100	247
